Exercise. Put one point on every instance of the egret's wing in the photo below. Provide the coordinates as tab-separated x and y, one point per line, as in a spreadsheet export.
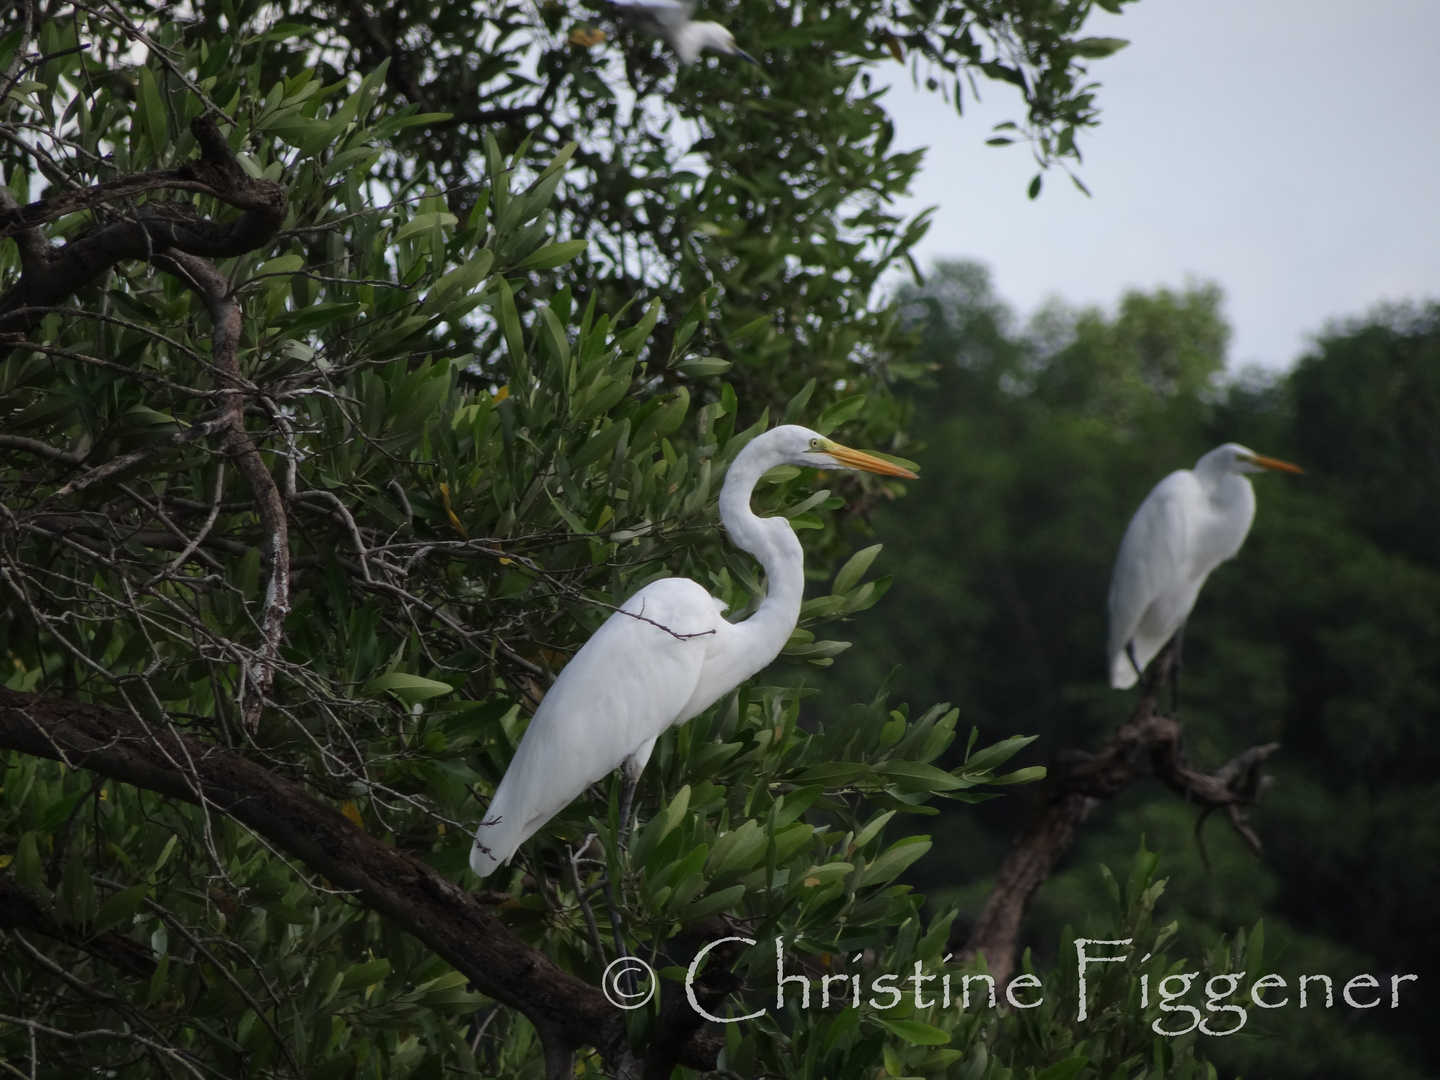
623	688
1152	561
664	14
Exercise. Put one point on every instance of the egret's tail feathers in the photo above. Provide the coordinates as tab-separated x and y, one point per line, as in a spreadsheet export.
490	850
1122	671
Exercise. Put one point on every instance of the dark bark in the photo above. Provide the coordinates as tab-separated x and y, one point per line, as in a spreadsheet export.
1148	743
20	909
453	924
678	1038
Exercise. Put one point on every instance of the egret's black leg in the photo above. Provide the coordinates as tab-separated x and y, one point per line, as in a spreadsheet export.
627	974
627	803
1177	642
628	785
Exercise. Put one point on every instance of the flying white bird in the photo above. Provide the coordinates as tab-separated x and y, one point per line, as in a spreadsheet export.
1189	524
670	21
665	656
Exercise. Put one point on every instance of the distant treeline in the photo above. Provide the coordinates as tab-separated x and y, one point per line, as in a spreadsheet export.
1041	438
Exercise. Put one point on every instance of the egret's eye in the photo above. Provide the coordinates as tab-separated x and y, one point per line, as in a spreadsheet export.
814	444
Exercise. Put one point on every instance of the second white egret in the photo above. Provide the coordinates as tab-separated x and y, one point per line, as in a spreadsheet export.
1189	524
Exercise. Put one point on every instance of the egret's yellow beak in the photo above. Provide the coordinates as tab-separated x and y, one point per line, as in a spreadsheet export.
855	459
1271	463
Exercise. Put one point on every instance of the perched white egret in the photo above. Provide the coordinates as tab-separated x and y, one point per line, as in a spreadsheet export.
670	21
1189	524
665	656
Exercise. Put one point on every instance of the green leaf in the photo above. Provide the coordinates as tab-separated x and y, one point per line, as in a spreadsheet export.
284	264
913	1031
703	367
464	278
286	913
1094	48
1022	776
1035	187
838	413
305	133
715	902
997	754
365	974
295	324
552	255
424	223
854	569
895	860
28	869
819	650
152	113
833	773
408	688
165	854
918	776
1064	1070
824	875
120	906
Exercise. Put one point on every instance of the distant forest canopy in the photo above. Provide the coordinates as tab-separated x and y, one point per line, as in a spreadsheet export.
1041	438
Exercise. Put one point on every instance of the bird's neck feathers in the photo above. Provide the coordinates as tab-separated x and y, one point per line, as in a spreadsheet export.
771	540
1217	475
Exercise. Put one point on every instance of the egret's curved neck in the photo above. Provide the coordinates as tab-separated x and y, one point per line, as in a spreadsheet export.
1223	485
773	542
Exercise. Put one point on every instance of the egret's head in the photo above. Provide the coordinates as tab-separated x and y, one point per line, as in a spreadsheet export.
708	35
801	446
1239	459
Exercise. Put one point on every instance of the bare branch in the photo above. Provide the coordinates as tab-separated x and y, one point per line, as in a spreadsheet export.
39	449
1077	782
225	317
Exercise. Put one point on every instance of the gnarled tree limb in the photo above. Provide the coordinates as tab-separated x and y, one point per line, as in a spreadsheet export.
1076	783
449	921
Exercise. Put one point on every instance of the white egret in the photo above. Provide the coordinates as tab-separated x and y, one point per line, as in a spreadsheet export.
670	21
665	656
1189	524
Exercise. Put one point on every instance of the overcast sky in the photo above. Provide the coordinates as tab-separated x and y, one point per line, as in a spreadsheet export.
1287	149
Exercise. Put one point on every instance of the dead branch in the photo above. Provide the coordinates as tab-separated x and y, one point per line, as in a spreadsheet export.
225	317
1076	782
449	921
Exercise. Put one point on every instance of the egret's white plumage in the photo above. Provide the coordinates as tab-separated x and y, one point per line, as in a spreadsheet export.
1189	524
667	655
670	21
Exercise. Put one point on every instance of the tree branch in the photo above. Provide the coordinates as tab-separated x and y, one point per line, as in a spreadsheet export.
20	909
225	317
449	921
51	275
1077	782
